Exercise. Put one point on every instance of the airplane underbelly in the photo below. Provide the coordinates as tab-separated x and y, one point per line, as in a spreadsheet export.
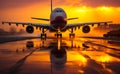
59	26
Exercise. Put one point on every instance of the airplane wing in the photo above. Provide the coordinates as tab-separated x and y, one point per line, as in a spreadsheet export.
72	18
40	25
69	26
40	19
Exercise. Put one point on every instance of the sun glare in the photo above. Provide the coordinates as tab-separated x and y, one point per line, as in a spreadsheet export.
105	8
82	9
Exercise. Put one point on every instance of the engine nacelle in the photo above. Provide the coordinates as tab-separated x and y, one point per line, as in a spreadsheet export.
29	29
86	29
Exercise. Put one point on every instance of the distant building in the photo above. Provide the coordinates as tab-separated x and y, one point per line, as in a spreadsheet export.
114	26
111	30
113	33
109	27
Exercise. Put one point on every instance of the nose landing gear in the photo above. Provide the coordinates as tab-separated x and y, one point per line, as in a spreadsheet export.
58	35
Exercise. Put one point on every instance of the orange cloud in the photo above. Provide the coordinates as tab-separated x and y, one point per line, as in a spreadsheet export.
42	9
6	4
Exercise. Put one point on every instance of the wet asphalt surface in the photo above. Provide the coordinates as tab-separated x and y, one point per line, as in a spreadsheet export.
60	56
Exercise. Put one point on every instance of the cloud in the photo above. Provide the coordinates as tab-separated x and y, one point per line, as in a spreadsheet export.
97	3
6	4
91	3
11	32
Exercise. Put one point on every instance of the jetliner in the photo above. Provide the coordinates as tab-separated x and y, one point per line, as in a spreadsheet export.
58	24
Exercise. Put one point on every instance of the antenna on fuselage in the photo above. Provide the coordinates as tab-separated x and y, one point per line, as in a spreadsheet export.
51	5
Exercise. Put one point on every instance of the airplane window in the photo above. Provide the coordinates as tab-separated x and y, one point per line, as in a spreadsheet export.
58	11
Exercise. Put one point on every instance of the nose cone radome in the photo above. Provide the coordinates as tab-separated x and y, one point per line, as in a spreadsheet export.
59	22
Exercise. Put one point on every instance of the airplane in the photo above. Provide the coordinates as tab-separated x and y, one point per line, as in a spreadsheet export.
58	23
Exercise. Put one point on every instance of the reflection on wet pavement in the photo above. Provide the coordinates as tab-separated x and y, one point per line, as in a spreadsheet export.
60	56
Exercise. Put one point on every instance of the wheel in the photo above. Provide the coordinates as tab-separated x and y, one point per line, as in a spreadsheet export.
71	35
58	35
43	36
55	35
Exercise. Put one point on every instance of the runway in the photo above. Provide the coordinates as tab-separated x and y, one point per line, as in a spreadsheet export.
60	56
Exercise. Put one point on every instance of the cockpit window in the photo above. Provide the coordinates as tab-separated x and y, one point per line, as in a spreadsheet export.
58	10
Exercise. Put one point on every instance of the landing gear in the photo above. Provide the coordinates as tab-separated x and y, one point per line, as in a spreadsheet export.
43	34
72	35
58	35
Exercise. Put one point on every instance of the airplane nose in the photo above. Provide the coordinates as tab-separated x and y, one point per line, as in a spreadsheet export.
59	22
59	18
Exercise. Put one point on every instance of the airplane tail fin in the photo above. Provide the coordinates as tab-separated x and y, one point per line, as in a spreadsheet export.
51	5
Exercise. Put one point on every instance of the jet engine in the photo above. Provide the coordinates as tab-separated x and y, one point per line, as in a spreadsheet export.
86	29
29	29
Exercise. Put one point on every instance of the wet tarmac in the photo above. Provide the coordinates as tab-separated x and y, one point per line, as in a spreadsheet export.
60	56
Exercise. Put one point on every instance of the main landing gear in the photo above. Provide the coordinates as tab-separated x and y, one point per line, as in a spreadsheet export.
43	34
72	35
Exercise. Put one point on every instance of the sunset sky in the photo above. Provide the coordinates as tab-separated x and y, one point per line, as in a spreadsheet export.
86	10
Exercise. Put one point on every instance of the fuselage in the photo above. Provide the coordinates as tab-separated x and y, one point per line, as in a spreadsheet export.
58	19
